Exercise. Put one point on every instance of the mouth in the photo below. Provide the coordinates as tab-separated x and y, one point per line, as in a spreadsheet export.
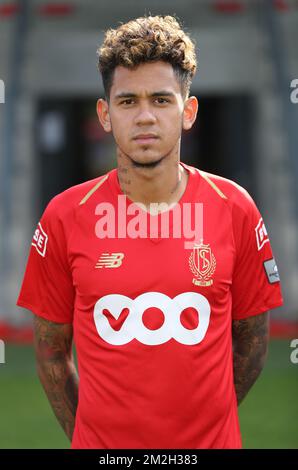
145	138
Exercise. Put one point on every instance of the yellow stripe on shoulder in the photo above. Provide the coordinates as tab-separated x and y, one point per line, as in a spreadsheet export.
92	190
216	188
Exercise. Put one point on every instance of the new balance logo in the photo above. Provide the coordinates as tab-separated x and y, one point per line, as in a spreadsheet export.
110	260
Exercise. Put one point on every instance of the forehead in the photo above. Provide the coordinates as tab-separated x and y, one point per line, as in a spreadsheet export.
145	78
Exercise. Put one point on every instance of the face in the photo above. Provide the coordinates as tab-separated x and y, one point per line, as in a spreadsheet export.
147	112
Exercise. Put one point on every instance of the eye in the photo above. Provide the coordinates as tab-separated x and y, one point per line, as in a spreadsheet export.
127	101
161	100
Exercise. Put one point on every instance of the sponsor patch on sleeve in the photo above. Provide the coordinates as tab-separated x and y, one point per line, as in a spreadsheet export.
40	240
271	271
261	234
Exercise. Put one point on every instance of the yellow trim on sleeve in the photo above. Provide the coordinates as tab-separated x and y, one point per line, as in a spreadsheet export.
92	190
216	188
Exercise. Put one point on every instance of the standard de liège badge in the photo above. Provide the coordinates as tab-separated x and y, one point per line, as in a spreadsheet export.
202	263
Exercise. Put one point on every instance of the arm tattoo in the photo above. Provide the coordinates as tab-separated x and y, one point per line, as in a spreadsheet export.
56	369
250	343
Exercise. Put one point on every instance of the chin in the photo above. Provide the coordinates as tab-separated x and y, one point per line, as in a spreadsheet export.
146	162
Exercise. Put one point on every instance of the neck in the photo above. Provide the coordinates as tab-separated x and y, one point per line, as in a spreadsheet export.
163	183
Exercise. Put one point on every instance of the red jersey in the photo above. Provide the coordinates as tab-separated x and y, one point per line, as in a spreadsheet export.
152	313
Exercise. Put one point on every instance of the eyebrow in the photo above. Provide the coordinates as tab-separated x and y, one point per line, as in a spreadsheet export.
125	94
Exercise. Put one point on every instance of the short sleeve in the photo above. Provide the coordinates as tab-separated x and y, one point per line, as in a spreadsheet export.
256	283
47	289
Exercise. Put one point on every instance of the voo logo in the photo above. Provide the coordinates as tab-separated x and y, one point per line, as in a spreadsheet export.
133	327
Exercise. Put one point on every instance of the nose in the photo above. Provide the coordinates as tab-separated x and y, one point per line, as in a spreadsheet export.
145	115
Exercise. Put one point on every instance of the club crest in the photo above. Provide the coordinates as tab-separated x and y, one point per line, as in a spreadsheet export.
202	263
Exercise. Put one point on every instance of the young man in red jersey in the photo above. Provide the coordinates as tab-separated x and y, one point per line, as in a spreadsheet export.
170	325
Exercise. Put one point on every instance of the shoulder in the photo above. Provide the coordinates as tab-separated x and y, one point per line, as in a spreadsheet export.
67	202
246	218
235	195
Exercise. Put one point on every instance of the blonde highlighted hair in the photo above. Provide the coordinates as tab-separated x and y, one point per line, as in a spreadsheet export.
148	39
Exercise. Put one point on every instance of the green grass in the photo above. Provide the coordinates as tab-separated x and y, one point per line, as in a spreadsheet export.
268	416
27	421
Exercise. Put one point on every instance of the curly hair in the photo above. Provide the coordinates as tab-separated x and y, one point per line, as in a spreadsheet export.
148	39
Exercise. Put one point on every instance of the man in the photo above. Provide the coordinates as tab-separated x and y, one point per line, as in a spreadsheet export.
170	328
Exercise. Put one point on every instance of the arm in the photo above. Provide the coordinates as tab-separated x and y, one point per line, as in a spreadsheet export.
250	345
56	369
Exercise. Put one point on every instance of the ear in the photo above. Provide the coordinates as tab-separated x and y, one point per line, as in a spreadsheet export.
102	109
190	112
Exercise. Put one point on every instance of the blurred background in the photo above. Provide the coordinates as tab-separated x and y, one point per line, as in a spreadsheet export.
50	139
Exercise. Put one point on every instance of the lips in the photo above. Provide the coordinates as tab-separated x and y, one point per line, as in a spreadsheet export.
145	138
